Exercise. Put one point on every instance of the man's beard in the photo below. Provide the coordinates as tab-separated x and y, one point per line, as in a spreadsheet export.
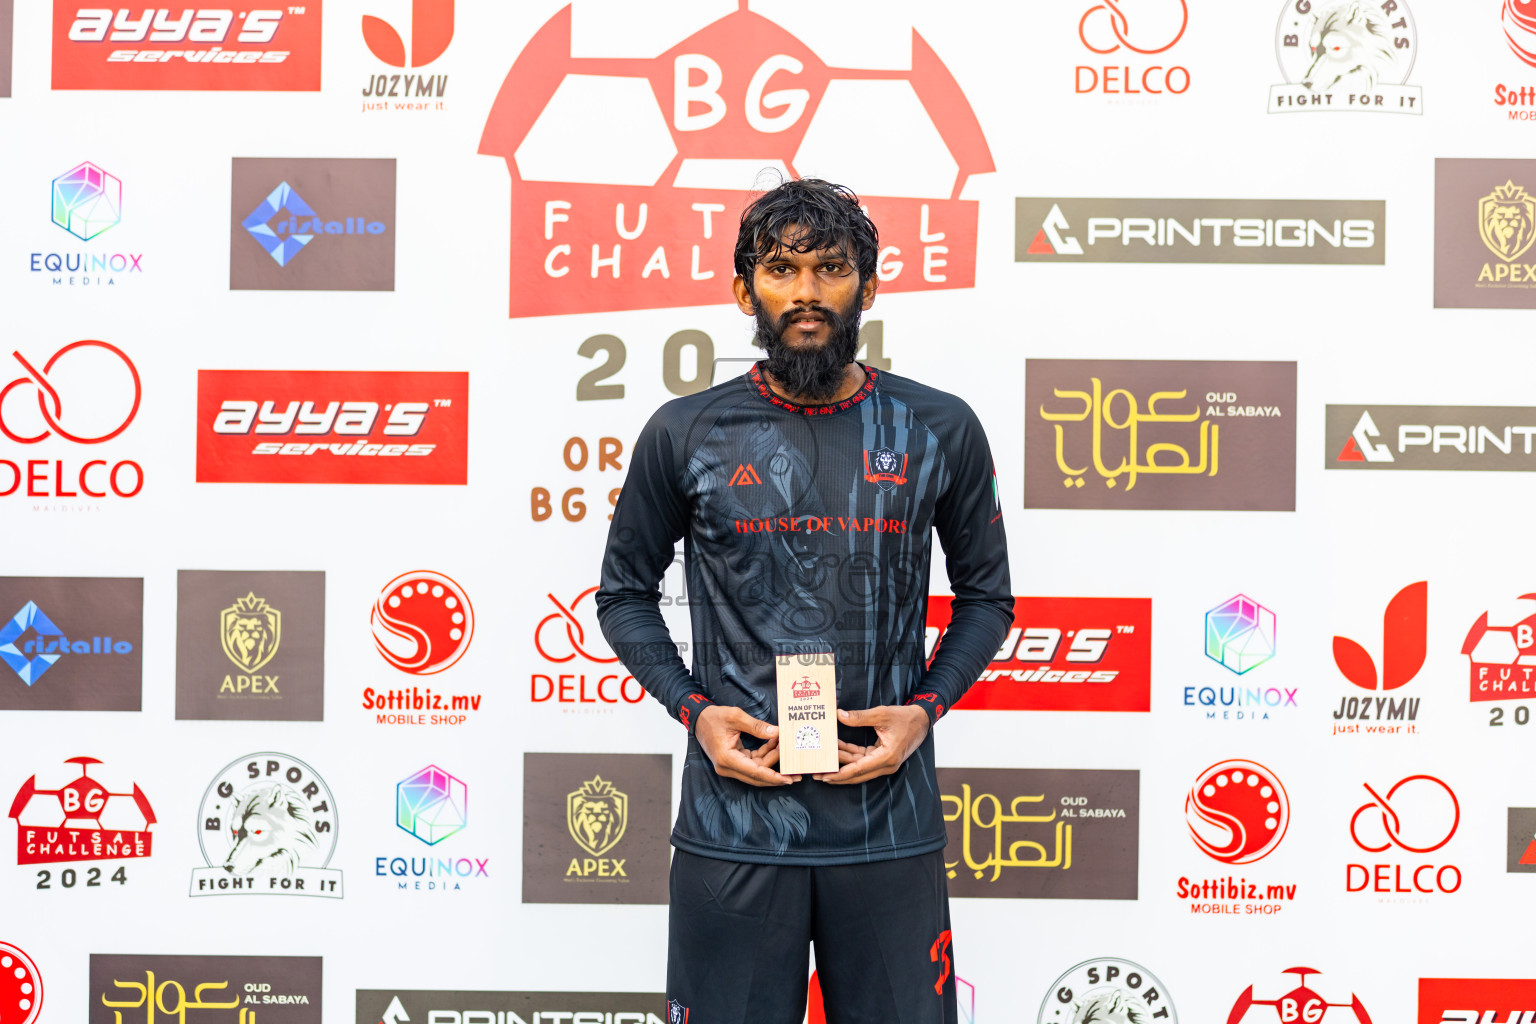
810	373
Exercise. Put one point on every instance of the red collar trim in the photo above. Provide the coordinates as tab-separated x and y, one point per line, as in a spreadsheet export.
871	379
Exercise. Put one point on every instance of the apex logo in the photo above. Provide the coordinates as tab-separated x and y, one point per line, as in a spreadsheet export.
745	475
431	32
1360	447
1049	240
1403	645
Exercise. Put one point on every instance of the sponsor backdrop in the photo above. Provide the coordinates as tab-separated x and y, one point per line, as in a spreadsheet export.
331	329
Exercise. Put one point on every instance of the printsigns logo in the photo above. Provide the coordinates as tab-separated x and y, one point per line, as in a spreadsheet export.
1237	811
595	827
1300	1003
398	1006
1269	231
1418	815
87	201
1056	646
1522	841
1108	989
1155	434
80	821
1240	634
1485	225
659	148
1474	1000
1434	437
345	209
422	622
73	643
1502	661
268	826
432	805
1404	644
332	427
1346	55
87	392
250	645
1065	834
184	48
222	989
21	986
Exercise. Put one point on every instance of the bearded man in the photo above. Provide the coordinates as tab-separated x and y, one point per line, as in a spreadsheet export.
807	493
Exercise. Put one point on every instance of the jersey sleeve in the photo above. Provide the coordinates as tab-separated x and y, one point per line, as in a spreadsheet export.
969	521
649	519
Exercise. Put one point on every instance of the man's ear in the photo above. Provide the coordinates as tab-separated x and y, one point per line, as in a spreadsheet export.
867	291
744	299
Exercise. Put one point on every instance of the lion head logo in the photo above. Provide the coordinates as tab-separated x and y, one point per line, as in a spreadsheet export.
250	630
1506	220
596	815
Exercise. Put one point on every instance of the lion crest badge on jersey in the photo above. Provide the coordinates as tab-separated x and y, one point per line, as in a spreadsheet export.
885	468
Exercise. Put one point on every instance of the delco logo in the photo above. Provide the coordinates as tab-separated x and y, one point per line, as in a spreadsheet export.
299	426
186	48
627	173
1062	654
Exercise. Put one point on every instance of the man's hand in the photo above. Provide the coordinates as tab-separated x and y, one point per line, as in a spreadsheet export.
718	729
898	732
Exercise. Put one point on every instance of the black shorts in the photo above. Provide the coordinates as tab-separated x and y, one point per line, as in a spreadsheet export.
739	939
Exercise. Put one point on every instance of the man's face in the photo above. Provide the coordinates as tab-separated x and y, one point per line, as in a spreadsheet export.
798	289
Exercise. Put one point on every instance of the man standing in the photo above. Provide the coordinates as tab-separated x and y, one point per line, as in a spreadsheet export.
806	493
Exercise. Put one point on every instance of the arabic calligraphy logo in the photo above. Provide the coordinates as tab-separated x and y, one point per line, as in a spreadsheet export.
422	622
575	631
86	201
1154	20
986	812
1237	811
250	630
1107	990
96	413
1429	802
21	987
1403	643
1240	633
1506	221
596	815
1520	29
1099	408
1360	447
431	31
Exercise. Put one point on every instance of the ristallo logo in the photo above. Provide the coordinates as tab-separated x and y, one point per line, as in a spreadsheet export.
186	48
332	427
1129	30
312	225
1346	55
1062	654
1404	644
431	32
1417	816
87	392
569	638
1476	1000
627	171
21	986
71	643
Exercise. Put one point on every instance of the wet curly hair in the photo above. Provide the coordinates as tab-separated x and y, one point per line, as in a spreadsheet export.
803	215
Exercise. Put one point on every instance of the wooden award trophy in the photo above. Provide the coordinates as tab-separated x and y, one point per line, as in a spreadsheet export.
807	713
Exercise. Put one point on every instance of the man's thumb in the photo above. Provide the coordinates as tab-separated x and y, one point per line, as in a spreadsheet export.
855	717
762	730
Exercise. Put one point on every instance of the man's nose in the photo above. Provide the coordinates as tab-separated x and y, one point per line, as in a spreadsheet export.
806	290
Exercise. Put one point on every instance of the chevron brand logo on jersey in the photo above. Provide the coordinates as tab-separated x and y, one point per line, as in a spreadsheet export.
885	468
745	475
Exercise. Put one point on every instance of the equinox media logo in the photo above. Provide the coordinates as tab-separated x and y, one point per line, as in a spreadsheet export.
87	201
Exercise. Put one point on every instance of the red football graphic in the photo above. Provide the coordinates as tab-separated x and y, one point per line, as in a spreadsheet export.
21	990
422	622
1237	811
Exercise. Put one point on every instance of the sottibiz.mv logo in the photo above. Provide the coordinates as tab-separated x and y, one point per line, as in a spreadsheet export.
198	48
332	427
628	173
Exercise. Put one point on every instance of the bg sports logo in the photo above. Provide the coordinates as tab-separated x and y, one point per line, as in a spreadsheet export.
332	427
628	173
200	48
1063	654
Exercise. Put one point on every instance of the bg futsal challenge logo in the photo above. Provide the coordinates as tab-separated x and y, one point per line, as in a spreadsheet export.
627	172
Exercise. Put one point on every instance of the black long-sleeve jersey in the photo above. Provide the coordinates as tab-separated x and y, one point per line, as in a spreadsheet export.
808	527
